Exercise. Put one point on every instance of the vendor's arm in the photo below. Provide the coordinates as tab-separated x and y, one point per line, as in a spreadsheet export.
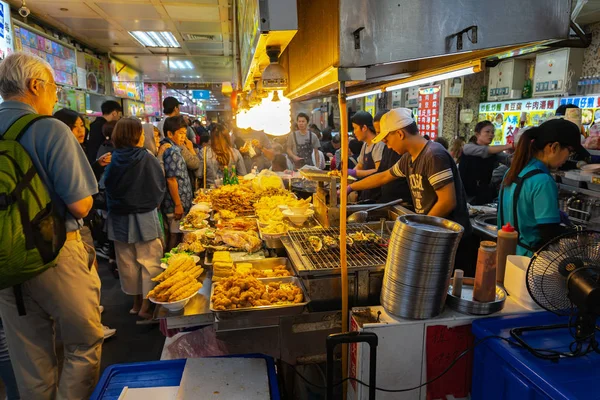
190	157
446	201
173	188
373	181
440	177
240	167
472	149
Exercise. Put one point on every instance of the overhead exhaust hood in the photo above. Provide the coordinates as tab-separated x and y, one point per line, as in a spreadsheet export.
383	39
263	27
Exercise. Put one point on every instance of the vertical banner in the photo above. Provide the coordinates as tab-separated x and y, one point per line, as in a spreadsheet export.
429	111
370	104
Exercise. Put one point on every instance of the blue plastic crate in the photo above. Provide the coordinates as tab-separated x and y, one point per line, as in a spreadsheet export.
505	372
160	373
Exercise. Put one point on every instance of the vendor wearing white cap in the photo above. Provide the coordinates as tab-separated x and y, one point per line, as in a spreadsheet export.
435	185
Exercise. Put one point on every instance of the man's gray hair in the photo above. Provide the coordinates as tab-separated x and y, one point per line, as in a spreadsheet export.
18	69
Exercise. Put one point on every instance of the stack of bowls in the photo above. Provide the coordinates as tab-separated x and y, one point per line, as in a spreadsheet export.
419	265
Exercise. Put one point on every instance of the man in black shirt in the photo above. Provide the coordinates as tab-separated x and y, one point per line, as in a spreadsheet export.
111	111
433	179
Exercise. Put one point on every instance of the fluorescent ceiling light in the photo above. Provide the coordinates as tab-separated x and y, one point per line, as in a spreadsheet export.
433	78
155	39
178	64
356	96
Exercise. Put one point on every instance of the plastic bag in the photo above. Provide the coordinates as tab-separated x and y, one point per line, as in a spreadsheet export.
200	343
267	180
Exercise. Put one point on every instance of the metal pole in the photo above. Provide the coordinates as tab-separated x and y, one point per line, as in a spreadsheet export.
343	205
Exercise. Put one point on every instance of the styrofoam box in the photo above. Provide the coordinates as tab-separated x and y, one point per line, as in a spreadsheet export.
515	281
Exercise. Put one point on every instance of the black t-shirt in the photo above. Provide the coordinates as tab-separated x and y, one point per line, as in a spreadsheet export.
433	169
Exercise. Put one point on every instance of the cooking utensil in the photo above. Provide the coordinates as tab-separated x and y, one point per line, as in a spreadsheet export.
360	217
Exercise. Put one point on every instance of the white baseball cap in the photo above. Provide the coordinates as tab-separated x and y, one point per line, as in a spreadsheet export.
393	120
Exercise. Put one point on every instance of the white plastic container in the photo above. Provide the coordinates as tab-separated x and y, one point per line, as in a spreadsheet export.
515	281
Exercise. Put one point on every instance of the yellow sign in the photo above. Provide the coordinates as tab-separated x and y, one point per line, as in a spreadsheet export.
127	82
370	104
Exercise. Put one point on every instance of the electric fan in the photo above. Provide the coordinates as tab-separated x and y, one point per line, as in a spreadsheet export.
563	277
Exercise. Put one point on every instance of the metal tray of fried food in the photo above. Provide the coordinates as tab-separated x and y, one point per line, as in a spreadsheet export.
267	264
282	310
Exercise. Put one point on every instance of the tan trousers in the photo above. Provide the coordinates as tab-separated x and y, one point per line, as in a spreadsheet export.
138	264
67	295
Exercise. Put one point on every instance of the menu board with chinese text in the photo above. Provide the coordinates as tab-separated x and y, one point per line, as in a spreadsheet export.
429	111
61	58
152	99
509	116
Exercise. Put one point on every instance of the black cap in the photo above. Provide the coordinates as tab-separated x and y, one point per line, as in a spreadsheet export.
562	131
169	104
362	118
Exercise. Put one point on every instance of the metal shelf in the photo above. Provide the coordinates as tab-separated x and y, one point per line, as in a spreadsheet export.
578	190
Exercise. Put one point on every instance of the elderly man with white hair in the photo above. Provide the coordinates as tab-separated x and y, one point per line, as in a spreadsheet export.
67	294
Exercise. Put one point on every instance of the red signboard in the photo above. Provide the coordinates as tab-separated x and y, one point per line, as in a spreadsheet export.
429	110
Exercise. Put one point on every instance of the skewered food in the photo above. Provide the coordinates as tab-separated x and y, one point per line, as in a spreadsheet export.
201	198
178	286
236	198
241	291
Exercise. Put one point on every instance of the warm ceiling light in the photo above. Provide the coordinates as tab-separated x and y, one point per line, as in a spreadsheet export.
155	39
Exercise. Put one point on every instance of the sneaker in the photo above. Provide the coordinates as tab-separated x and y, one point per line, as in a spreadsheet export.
108	332
101	309
103	252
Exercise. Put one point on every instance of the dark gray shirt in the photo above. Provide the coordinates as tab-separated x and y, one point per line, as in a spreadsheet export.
433	169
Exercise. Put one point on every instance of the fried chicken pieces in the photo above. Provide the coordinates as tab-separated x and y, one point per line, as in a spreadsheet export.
243	291
178	281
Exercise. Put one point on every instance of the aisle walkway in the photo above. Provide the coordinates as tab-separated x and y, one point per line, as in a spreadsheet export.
132	343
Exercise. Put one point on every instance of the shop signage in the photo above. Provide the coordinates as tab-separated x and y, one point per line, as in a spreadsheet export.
370	104
152	99
6	37
541	104
95	74
582	102
201	94
127	82
60	57
429	110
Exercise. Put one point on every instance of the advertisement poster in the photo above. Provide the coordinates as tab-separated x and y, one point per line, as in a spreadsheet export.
429	111
370	104
127	82
509	116
95	76
6	36
61	58
152	99
71	99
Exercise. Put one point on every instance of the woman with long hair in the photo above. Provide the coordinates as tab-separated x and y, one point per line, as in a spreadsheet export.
135	187
478	162
220	154
529	197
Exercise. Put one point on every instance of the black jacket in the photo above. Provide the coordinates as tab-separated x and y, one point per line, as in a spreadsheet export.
95	139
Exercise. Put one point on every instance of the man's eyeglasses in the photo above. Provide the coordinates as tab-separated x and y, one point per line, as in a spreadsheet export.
57	88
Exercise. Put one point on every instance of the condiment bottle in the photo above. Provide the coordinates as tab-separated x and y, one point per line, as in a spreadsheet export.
484	289
507	246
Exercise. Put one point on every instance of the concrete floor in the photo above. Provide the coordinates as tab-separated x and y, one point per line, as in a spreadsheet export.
132	343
